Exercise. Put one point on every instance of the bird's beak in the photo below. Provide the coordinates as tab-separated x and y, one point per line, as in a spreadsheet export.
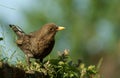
60	28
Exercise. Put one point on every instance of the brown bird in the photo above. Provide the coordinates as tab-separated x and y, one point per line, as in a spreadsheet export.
37	44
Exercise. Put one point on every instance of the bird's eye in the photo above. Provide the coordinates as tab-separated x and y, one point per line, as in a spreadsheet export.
51	29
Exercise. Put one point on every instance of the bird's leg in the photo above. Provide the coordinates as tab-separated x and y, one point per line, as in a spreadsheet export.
28	60
41	60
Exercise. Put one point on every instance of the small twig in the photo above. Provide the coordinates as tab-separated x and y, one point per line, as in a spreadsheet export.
7	7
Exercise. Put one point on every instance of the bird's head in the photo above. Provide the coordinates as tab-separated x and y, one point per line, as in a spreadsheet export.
50	29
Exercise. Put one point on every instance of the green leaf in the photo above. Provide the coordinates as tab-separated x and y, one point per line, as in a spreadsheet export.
1	38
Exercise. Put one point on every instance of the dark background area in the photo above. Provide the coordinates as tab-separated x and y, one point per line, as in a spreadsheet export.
92	29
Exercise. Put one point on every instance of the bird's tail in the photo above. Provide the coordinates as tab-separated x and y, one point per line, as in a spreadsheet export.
17	30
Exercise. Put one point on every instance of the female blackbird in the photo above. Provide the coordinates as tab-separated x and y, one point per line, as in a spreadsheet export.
37	44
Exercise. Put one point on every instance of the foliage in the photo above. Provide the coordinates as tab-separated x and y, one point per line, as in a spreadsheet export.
1	38
61	67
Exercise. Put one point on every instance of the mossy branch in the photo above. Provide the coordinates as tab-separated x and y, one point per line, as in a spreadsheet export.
61	67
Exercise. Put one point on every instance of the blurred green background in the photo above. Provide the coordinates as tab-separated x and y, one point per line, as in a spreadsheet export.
92	29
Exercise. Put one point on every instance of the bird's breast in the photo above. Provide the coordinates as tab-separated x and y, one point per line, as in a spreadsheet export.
42	48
